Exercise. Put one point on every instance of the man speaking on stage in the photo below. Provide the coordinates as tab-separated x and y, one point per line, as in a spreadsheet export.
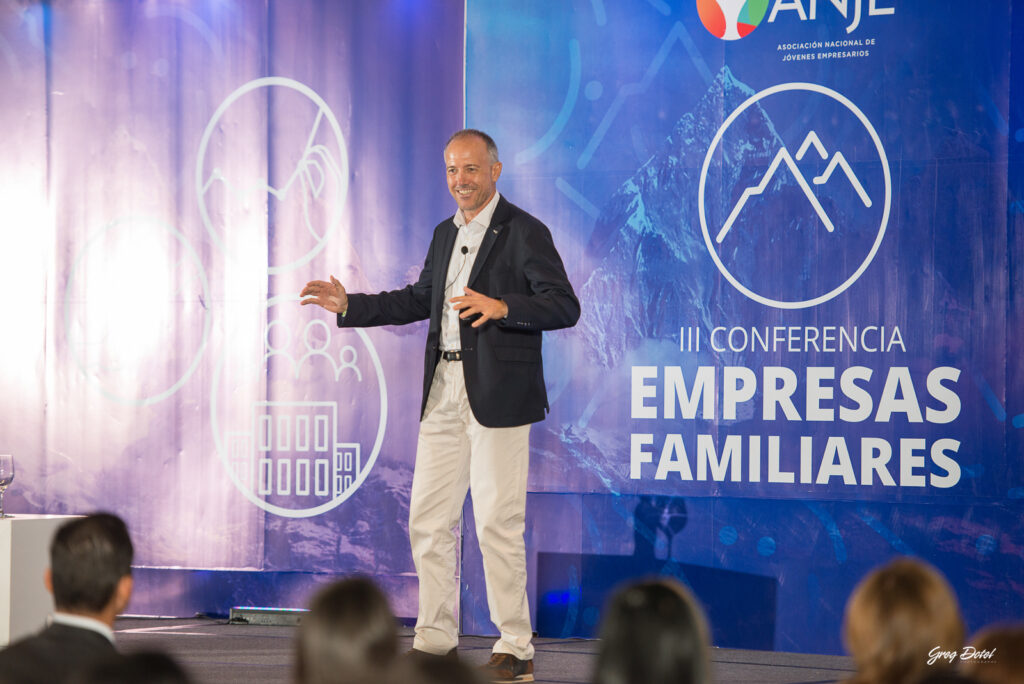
491	283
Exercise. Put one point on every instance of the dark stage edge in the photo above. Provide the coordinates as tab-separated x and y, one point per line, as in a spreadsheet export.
215	652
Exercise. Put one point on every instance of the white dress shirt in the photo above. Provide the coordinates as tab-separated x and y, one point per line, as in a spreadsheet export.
460	265
83	622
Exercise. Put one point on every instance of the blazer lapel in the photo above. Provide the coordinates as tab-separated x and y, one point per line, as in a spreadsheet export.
497	225
444	255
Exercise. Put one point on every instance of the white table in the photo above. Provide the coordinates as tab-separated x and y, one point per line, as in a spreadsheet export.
24	556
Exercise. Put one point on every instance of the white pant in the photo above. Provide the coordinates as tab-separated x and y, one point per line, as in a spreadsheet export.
454	454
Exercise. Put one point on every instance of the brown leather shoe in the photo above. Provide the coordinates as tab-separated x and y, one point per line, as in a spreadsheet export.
416	654
505	667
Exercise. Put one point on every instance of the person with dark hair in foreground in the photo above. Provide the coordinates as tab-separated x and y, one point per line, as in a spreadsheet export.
896	617
999	651
349	635
91	582
653	632
436	671
144	667
491	284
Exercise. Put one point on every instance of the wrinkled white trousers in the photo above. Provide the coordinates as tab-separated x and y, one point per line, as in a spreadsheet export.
456	454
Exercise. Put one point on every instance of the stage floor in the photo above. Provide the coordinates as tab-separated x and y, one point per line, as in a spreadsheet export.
215	652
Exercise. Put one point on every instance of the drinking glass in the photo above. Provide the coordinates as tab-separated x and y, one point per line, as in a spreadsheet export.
6	477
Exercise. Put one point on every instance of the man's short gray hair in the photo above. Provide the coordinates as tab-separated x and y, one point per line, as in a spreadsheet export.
492	148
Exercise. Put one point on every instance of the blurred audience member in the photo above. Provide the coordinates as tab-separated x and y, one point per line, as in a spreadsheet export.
653	632
90	579
946	676
349	635
144	667
897	619
446	670
999	655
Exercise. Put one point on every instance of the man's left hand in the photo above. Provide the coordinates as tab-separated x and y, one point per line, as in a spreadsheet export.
473	303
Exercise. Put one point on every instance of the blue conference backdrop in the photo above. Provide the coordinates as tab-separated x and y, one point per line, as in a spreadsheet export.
794	226
791	225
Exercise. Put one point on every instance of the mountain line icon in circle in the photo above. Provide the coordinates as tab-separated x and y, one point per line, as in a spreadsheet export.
783	156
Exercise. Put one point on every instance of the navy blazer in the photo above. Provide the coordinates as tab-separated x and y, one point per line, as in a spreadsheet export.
518	263
53	655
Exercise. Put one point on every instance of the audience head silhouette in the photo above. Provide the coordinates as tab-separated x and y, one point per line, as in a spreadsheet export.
90	566
349	635
653	632
1004	663
435	671
143	667
896	616
90	578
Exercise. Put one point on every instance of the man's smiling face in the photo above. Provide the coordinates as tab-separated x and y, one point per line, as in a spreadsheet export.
472	176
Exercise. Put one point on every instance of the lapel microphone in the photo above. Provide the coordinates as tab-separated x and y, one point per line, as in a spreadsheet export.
465	252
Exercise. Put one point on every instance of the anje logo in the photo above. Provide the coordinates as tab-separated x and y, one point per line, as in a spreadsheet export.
731	19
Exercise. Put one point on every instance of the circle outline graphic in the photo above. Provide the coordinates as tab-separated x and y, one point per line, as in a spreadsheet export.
207	320
342	162
374	452
855	110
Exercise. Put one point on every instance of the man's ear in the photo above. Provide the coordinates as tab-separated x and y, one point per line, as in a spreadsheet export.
123	593
495	171
48	579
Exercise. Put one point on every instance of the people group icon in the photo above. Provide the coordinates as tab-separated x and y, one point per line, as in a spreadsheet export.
316	347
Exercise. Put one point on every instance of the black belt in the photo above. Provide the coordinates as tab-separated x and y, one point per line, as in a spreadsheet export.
454	355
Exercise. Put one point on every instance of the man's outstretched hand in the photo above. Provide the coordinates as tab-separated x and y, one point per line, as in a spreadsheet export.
473	303
331	296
